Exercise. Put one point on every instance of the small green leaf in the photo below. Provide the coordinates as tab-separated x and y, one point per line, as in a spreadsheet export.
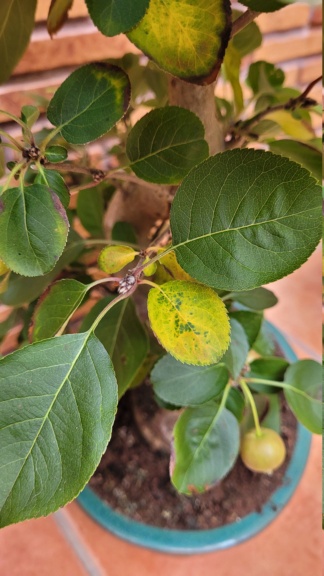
29	114
103	93
248	39
257	299
57	14
165	144
235	357
185	38
244	218
231	69
265	342
123	336
90	210
17	23
206	446
272	418
264	77
190	321
306	375
113	17
269	368
305	154
113	258
235	403
265	5
58	400
56	154
183	385
39	216
124	232
250	321
55	182
56	307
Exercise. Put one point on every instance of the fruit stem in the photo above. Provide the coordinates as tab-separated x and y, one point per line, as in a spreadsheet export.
249	396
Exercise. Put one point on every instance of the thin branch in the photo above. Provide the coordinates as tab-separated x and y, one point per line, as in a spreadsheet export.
244	20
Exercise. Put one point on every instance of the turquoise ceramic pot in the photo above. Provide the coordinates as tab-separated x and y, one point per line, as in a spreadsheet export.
198	541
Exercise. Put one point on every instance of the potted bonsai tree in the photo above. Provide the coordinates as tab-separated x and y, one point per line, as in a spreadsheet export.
183	215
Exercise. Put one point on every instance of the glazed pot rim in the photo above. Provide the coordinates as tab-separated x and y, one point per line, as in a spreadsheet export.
198	541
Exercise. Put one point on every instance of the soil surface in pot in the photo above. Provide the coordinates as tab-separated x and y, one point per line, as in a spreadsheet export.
134	480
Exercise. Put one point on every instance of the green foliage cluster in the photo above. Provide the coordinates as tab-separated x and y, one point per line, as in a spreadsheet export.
239	219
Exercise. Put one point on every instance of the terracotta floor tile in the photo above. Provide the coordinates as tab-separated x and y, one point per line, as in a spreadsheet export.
290	546
36	548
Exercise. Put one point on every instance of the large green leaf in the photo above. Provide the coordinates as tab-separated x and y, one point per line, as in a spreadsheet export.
123	336
185	37
16	26
307	376
90	210
115	16
305	154
165	144
22	289
55	182
33	229
245	218
90	102
190	321
185	385
56	307
251	322
206	446
58	400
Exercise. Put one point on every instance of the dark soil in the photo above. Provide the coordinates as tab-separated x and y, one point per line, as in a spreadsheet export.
134	480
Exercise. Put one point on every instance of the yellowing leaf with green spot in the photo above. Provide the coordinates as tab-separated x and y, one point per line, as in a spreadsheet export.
190	321
114	258
187	38
170	269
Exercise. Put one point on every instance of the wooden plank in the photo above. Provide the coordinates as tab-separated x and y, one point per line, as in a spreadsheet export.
78	10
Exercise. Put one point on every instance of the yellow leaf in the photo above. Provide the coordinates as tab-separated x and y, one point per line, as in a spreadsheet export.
170	269
114	258
291	125
190	321
3	268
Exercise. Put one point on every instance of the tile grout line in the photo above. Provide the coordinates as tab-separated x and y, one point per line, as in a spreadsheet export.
75	540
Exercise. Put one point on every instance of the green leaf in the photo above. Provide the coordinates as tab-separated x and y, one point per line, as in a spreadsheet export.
264	77
272	418
245	218
270	368
56	307
113	258
231	69
265	5
103	93
235	357
124	232
37	213
115	16
90	210
123	336
235	403
257	299
29	114
17	23
185	38
248	39
206	445
265	342
56	154
57	14
55	182
290	125
58	399
250	321
22	289
165	144
306	375
190	321
183	385
305	154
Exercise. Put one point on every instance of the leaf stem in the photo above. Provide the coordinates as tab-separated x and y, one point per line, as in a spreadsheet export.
16	144
50	137
11	175
244	20
249	396
108	307
283	385
20	122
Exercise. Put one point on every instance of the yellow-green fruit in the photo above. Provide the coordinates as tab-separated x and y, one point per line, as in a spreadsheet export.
262	453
